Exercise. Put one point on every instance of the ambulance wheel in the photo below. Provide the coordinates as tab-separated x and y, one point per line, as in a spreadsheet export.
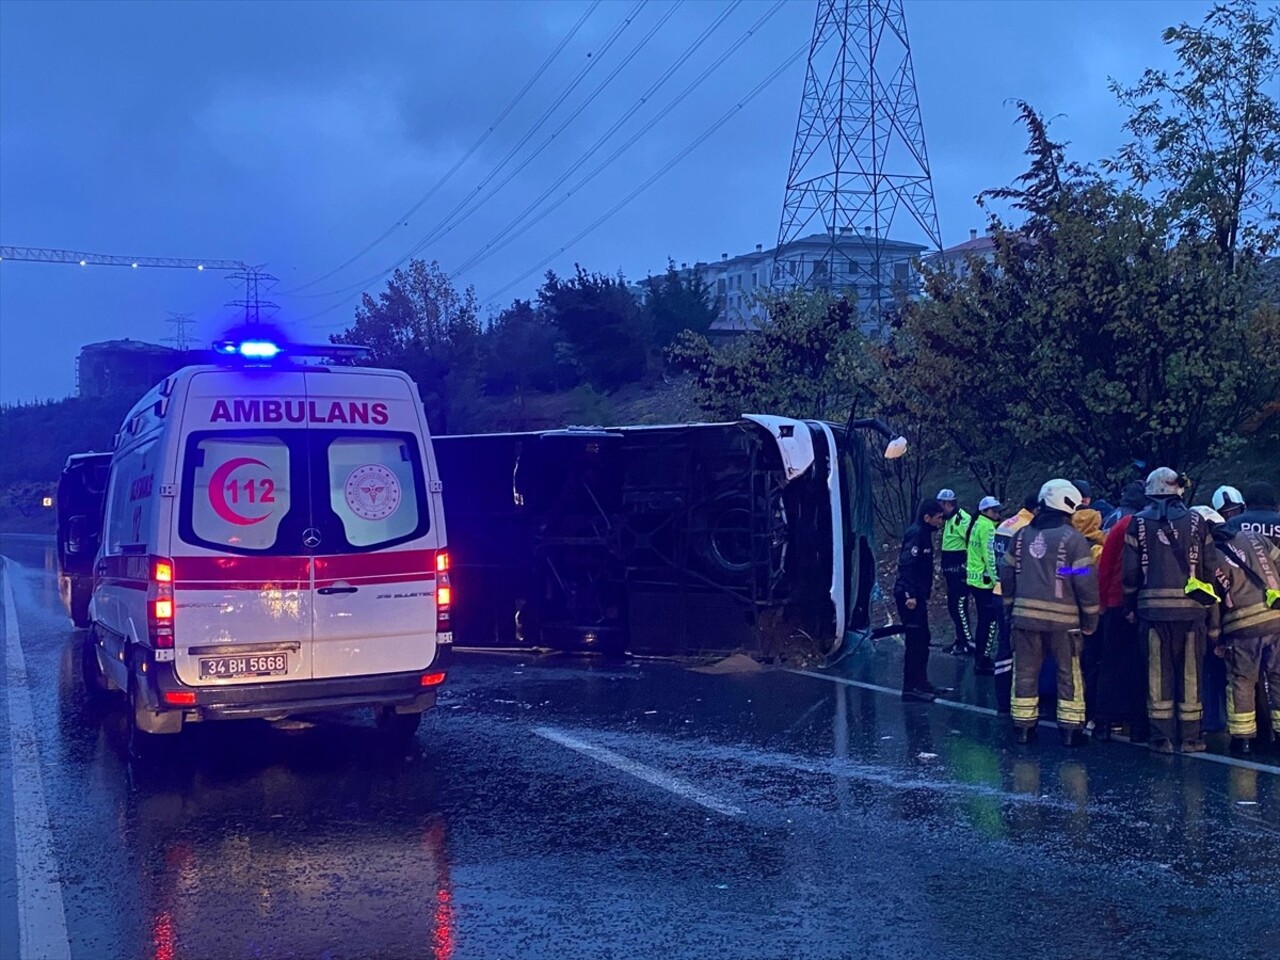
149	732
398	726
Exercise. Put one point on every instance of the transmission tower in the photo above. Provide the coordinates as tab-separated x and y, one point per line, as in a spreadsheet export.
180	338
859	170
253	305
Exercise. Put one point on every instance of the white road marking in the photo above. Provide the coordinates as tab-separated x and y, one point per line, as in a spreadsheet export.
956	705
640	771
42	918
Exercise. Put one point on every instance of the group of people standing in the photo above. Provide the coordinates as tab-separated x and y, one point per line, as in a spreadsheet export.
1147	610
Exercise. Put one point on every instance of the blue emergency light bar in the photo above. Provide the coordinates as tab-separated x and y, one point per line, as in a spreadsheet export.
259	349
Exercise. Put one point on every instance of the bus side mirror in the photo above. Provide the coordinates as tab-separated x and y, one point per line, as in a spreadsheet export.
896	448
77	534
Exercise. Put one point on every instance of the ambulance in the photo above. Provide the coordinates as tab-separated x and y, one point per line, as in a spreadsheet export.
272	544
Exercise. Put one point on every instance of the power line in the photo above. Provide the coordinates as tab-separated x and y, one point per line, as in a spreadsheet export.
505	112
433	234
510	234
697	142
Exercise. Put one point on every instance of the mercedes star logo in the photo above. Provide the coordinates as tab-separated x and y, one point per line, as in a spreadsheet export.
311	538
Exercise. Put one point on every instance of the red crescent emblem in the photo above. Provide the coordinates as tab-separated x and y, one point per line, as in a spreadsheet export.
218	493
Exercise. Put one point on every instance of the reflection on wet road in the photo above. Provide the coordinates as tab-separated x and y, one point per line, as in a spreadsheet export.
560	807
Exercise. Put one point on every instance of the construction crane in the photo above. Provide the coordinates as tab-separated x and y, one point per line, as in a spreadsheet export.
252	277
43	255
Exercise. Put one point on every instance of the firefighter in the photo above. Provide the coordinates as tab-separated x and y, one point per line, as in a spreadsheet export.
955	539
1249	572
1051	591
1167	555
911	594
1004	645
981	576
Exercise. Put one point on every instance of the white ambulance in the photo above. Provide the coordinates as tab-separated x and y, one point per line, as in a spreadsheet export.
272	544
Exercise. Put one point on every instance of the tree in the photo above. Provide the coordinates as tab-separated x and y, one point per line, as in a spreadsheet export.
675	303
1207	137
521	352
806	359
1099	335
422	325
599	318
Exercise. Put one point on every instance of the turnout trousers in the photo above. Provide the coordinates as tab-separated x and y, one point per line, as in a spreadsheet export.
1174	651
1029	650
915	661
956	576
1247	659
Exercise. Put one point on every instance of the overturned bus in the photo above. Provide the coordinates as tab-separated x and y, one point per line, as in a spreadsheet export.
662	540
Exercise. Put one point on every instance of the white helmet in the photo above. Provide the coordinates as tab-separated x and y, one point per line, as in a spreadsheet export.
1226	496
1210	514
946	495
1061	495
1163	482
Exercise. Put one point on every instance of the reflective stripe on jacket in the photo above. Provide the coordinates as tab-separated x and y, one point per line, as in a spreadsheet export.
1049	581
981	569
1154	578
954	532
1244	609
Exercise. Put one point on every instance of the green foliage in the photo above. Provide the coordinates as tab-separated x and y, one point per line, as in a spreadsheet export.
806	359
521	352
674	304
1099	335
421	324
1207	137
600	320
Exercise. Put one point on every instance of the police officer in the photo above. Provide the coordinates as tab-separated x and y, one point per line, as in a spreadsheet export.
1167	561
955	540
1260	514
1249	572
1050	587
981	576
911	594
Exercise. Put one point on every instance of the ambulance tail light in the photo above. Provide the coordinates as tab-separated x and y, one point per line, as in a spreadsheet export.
444	598
160	605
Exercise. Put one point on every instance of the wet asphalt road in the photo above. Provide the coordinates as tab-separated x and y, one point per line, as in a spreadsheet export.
559	807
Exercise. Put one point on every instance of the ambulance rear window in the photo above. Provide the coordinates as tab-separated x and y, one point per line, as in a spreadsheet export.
375	488
237	491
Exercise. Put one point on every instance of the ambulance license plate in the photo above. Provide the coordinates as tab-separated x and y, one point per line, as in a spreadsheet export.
256	665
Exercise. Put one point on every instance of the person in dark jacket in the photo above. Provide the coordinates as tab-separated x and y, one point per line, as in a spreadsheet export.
1249	573
911	594
1132	499
1167	560
1260	514
1051	588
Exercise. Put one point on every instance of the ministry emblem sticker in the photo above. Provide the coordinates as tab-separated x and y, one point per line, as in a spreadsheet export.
372	492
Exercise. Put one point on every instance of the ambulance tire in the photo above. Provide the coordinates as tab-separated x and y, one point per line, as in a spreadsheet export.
398	727
149	734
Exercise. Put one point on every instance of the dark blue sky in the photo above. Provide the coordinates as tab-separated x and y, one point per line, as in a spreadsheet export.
293	134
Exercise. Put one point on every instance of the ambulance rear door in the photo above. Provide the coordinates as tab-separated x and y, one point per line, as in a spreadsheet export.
375	567
242	565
